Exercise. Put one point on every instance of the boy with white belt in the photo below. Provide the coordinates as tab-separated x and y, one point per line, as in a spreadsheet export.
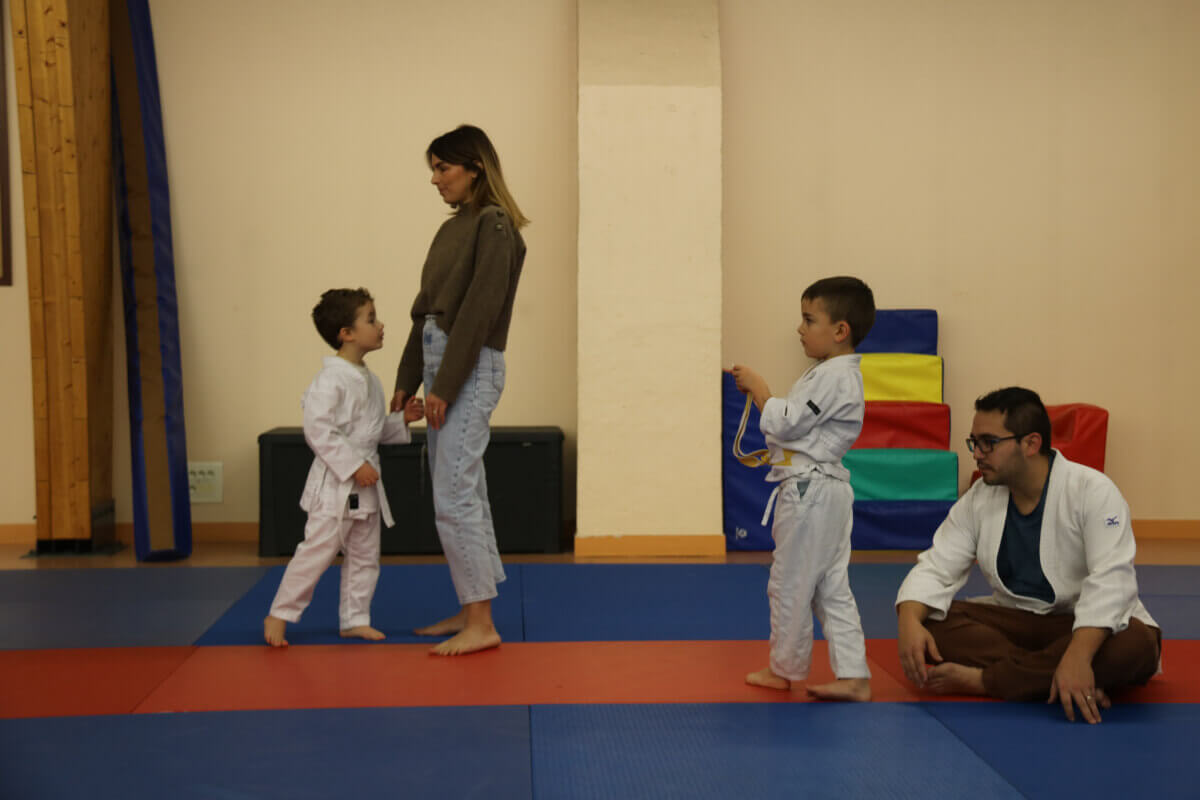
345	420
807	434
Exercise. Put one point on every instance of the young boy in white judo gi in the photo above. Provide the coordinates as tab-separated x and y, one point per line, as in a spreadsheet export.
345	420
807	433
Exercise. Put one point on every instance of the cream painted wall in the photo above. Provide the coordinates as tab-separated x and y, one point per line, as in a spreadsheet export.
1029	169
296	134
18	492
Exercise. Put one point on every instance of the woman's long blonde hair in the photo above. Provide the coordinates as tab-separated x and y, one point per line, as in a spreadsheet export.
470	147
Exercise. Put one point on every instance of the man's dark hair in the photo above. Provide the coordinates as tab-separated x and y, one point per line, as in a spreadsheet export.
1023	410
846	300
338	309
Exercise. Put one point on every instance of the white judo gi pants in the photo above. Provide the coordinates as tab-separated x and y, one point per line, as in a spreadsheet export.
809	575
323	537
460	499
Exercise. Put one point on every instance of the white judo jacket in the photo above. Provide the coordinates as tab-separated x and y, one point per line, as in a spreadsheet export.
817	422
1086	551
345	421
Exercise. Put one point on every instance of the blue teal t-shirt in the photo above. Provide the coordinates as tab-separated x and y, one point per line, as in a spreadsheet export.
1019	562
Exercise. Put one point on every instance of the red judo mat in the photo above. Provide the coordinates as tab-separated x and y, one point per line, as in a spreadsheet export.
41	683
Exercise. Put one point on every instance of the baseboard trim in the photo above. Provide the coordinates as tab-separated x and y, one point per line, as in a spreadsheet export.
652	546
600	546
1166	528
19	533
204	532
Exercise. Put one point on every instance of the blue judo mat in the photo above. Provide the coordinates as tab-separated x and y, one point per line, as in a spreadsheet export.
406	597
136	607
363	752
707	750
538	602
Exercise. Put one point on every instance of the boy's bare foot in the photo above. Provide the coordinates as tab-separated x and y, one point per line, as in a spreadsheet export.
273	628
951	678
856	690
765	677
468	640
362	632
446	627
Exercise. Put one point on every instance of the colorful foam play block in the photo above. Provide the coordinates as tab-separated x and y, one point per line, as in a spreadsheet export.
1080	432
896	524
902	330
910	425
903	474
902	377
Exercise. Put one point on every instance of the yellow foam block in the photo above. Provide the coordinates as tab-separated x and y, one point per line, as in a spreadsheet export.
903	377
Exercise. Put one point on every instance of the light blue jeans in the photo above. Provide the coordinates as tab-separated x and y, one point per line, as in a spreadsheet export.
460	499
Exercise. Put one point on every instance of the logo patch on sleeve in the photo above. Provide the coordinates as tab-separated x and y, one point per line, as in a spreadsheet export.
1112	522
814	408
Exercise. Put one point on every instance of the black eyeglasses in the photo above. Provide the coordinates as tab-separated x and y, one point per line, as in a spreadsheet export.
987	443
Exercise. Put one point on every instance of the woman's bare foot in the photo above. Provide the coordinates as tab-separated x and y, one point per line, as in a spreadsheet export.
446	627
273	628
951	678
362	632
765	677
470	639
856	690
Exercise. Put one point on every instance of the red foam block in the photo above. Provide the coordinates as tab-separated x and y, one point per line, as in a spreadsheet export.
1079	431
905	425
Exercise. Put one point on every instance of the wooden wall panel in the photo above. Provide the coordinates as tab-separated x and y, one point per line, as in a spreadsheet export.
62	76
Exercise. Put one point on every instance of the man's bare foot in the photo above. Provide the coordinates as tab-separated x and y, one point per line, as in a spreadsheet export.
951	678
362	632
768	679
468	640
273	628
857	690
446	627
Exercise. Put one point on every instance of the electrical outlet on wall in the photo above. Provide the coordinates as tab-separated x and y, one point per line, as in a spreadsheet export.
205	481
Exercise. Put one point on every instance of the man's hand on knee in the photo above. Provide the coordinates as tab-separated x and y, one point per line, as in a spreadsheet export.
1074	682
916	643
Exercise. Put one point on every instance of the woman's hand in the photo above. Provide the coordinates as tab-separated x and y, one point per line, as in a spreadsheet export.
435	410
398	401
414	409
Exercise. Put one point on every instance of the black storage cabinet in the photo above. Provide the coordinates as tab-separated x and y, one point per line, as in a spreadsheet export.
524	475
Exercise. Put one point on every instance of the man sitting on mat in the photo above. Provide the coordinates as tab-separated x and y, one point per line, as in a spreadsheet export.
1053	538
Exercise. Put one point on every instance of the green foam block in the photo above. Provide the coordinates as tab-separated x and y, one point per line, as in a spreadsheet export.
903	474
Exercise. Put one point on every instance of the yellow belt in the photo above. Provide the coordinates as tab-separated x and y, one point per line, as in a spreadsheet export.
759	457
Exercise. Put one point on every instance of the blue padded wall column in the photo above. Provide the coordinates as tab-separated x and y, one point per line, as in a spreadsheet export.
161	507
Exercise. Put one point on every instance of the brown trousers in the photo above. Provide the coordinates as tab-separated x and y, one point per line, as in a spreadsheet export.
1019	650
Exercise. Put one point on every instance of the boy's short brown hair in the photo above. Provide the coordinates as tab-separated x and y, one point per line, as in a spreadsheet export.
846	300
338	309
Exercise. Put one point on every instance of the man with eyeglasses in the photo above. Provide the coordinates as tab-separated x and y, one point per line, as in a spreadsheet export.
1054	541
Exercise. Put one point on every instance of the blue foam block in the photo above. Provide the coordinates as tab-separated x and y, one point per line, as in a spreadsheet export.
384	752
897	524
905	330
1137	751
407	596
744	493
160	607
759	750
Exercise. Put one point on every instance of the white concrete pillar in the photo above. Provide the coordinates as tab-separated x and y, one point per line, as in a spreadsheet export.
649	480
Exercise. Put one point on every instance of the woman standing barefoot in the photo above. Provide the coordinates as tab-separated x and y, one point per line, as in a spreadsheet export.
456	348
